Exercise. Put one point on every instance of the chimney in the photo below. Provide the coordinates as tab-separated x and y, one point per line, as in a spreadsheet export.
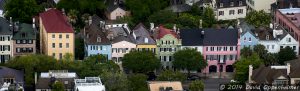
200	23
33	22
174	27
152	26
288	68
250	73
90	20
10	21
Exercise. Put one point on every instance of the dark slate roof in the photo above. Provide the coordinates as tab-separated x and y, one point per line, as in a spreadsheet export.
222	37
4	27
226	3
191	37
2	4
94	31
120	34
246	27
25	32
8	72
295	68
179	8
111	5
45	83
266	75
201	2
141	33
262	33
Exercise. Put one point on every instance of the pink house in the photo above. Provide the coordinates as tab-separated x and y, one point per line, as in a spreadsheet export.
221	48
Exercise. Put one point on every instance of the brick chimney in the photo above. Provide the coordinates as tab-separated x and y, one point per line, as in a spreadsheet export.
250	73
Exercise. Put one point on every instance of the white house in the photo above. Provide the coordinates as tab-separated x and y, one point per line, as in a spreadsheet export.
258	5
5	40
89	84
115	10
229	9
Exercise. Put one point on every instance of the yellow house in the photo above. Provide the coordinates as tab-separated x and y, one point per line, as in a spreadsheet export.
143	38
56	34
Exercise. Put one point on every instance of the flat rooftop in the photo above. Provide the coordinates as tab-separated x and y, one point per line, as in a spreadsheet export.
293	14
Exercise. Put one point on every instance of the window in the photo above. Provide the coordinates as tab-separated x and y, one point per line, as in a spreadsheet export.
240	11
245	39
18	41
288	39
221	4
165	58
231	3
67	45
273	46
24	42
281	47
98	39
53	45
53	35
231	48
231	12
60	55
225	48
206	48
60	36
170	58
29	41
212	49
53	54
8	38
249	39
230	57
8	80
294	47
67	36
268	46
60	45
240	3
267	37
221	13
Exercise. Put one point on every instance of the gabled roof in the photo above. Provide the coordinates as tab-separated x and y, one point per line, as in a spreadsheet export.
112	5
55	22
226	3
11	73
25	32
191	37
162	31
266	75
4	27
94	31
295	68
141	33
222	37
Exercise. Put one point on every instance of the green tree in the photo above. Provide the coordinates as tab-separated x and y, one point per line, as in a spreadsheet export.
141	9
188	20
195	10
258	18
163	17
169	75
115	81
58	86
140	61
286	54
197	85
270	59
260	50
242	67
138	82
68	57
189	59
84	6
246	52
21	10
208	18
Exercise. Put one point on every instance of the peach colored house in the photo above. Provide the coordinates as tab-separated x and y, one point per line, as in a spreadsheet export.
56	34
115	10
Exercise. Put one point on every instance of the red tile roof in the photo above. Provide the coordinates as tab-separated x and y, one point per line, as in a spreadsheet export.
164	31
55	22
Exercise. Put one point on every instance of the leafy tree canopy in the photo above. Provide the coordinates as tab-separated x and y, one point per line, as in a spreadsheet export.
21	10
197	85
208	18
286	54
58	86
189	59
169	75
140	61
258	18
138	82
246	52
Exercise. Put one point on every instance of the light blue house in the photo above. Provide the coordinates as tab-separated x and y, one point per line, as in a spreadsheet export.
95	39
247	38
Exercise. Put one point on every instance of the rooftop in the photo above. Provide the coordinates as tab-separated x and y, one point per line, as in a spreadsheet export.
25	31
162	31
191	37
58	74
89	84
4	27
142	35
6	72
45	83
93	31
159	85
224	37
293	14
55	21
227	3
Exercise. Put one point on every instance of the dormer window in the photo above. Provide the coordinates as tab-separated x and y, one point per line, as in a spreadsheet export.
221	4
231	3
267	37
98	39
146	40
288	39
240	3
